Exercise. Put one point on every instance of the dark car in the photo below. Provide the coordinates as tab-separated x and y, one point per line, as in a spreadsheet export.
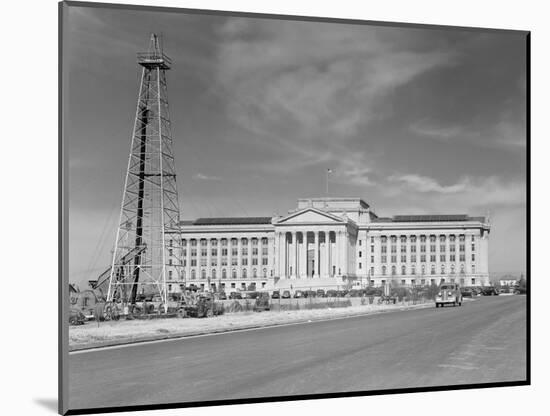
331	293
310	294
275	295
354	293
76	317
467	292
286	294
320	293
373	291
262	302
222	296
489	291
235	295
520	290
298	294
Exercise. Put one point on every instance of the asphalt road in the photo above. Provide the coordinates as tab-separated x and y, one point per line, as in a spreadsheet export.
482	341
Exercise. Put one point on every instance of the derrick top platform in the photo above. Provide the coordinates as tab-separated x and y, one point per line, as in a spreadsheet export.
154	59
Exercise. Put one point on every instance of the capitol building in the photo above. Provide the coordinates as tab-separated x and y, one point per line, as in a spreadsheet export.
328	243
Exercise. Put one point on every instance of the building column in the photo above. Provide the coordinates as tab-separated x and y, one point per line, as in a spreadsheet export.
329	255
316	253
346	253
276	246
250	257
208	261
199	259
219	259
326	262
239	257
303	262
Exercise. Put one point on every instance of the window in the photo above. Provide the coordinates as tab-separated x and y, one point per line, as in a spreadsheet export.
234	274
360	254
442	247
170	252
384	259
360	265
244	251
403	249
193	274
213	273
432	258
422	258
461	238
422	249
413	238
244	261
473	247
372	271
372	259
233	285
214	252
413	269
432	239
393	239
359	243
264	261
264	251
193	262
403	270
442	258
394	259
255	261
473	257
452	248
214	262
204	261
204	252
255	251
473	269
203	274
432	248
193	252
169	274
433	269
184	242
442	269
224	252
461	268
169	262
224	242
462	257
384	270
403	259
473	238
473	282
422	238
264	273
393	270
403	282
224	274
413	249
254	273
413	258
203	242
372	240
423	269
403	239
244	274
394	249
384	239
441	238
254	242
384	249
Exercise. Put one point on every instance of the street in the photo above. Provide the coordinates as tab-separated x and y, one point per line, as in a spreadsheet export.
482	341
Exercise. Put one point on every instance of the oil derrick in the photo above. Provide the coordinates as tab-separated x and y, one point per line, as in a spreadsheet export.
148	230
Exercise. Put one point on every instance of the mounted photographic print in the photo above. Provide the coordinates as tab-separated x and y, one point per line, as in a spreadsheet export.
267	208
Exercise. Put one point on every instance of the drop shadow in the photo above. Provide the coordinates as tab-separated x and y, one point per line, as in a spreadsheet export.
49	404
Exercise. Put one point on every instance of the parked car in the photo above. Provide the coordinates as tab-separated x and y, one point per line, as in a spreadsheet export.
275	295
354	293
449	294
467	292
298	294
235	295
490	291
310	293
320	293
286	294
331	293
374	291
222	296
262	302
76	317
520	290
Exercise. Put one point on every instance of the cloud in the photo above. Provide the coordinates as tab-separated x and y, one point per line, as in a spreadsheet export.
202	177
308	89
508	132
426	184
467	193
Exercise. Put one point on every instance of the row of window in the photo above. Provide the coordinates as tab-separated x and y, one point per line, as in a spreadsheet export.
423	258
423	238
443	269
234	274
224	252
223	241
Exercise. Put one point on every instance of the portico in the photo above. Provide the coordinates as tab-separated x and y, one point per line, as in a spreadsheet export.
310	244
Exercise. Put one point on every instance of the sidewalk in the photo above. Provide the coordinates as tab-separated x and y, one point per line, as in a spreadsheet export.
125	332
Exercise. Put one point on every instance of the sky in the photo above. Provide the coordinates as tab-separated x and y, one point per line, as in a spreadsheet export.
414	120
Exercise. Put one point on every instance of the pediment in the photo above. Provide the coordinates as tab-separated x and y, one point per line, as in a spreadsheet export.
309	216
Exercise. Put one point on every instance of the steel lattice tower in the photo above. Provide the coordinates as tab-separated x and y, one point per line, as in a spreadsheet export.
150	209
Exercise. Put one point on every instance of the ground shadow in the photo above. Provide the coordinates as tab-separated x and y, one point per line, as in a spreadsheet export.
50	404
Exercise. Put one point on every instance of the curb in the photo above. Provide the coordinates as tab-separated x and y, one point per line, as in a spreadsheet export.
146	339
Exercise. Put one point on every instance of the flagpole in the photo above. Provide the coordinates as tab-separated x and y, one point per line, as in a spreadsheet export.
327	181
